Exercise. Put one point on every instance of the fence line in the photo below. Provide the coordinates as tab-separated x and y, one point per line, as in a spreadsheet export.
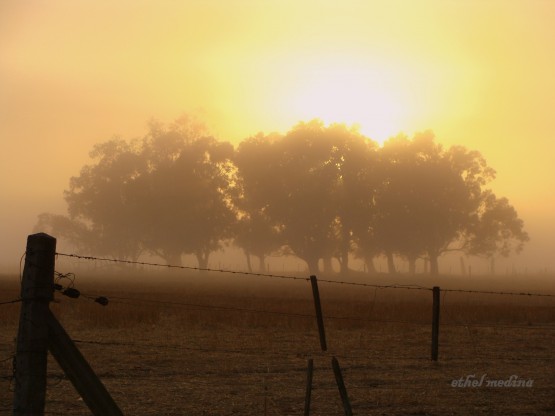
298	355
132	301
312	316
391	286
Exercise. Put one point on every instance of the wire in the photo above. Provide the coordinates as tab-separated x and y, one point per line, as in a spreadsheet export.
11	301
69	276
498	293
180	347
196	305
203	269
118	299
392	286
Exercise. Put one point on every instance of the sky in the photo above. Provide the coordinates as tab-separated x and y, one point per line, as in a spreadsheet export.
76	73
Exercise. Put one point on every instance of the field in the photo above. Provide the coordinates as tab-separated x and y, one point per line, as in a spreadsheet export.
202	344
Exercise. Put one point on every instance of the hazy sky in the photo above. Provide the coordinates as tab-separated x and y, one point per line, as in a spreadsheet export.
75	73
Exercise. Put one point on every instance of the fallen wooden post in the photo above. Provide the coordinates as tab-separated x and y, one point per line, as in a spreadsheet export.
308	392
435	323
341	386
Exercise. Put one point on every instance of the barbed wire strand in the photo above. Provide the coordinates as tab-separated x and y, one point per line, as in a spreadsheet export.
299	355
119	299
488	292
10	301
393	286
206	269
171	266
131	301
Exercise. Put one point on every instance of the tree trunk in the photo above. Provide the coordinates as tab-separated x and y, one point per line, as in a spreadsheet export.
312	264
328	268
173	259
463	266
344	255
434	265
248	256
390	263
262	263
202	258
412	265
344	261
369	261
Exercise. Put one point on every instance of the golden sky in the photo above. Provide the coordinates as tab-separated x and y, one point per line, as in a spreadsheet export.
478	73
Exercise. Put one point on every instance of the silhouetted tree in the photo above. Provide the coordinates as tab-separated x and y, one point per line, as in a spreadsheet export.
433	201
184	195
497	230
355	159
317	192
255	232
309	189
75	232
99	198
169	193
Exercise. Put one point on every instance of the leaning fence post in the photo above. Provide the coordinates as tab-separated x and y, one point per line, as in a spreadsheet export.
318	307
37	290
435	323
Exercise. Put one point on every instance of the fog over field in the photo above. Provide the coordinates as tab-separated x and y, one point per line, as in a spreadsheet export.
145	85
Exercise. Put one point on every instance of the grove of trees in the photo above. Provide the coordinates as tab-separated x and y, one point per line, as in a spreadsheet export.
317	192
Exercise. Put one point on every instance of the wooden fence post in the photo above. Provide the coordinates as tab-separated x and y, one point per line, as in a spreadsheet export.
435	323
308	393
341	386
319	317
37	291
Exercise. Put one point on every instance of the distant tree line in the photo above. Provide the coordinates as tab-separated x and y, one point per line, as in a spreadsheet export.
317	192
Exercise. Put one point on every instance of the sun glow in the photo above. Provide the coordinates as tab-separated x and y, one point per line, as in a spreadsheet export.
363	96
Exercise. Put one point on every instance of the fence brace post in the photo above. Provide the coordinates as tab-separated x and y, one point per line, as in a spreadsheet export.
435	323
78	371
37	291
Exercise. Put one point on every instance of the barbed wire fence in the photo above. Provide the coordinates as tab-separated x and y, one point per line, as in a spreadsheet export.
358	362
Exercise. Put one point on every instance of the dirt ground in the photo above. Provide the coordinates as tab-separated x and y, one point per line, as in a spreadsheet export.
242	349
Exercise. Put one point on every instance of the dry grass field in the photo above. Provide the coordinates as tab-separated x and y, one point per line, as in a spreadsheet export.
202	344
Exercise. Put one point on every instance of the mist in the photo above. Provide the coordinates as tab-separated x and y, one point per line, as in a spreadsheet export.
73	76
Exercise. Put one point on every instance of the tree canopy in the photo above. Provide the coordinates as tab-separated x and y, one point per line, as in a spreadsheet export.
318	192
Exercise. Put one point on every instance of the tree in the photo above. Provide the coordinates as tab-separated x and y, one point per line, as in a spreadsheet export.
433	201
169	193
497	230
184	195
319	192
255	232
407	202
355	159
72	231
304	185
99	198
